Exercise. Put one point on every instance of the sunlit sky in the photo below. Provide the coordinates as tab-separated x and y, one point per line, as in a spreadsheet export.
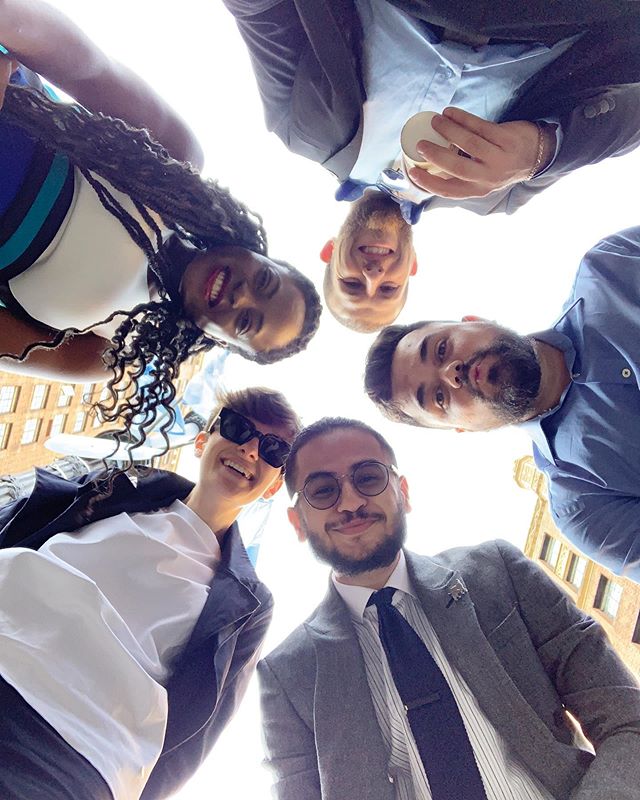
516	269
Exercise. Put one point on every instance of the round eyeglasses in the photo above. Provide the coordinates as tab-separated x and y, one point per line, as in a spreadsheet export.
322	490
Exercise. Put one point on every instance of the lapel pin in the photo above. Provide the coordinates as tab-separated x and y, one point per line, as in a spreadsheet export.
456	590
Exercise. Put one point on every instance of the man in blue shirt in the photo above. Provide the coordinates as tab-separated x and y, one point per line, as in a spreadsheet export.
574	389
530	91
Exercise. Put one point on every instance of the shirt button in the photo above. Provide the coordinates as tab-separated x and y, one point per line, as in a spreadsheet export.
447	72
391	778
626	372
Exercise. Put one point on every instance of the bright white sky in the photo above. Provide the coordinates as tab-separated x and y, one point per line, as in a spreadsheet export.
515	269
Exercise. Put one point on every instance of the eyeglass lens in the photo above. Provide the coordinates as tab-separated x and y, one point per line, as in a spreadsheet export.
239	430
369	479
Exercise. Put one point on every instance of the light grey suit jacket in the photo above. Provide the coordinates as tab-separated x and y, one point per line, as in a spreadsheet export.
524	649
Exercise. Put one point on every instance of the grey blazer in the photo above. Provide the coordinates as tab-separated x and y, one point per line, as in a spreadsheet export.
526	652
306	59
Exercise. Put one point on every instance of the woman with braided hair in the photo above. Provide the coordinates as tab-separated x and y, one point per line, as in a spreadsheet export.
114	252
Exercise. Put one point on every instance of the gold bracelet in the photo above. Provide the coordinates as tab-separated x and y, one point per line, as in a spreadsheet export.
538	161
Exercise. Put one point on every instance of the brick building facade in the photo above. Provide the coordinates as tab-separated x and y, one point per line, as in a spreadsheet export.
613	601
32	410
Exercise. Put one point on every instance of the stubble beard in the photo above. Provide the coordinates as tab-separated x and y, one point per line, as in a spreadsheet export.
381	556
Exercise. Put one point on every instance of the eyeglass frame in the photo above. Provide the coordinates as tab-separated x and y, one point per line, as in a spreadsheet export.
256	434
391	469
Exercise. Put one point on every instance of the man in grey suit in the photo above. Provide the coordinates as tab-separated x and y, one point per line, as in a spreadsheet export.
515	659
550	87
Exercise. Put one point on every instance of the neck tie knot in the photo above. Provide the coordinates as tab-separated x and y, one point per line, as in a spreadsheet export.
382	597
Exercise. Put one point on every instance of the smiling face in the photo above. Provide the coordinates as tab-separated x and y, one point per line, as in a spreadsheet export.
234	474
370	263
358	533
243	298
471	375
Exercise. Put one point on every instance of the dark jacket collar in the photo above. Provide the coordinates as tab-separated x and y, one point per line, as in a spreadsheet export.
59	504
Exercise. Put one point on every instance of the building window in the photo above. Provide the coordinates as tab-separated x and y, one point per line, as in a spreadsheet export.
66	395
8	399
5	433
576	569
636	633
81	418
608	596
87	393
57	424
39	396
31	430
550	551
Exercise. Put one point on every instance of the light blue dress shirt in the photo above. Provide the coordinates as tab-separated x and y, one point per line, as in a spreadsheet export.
589	445
406	70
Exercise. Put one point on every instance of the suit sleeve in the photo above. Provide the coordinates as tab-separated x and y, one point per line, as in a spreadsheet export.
593	683
306	72
289	742
604	124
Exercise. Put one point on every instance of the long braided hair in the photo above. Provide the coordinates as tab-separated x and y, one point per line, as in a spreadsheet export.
201	215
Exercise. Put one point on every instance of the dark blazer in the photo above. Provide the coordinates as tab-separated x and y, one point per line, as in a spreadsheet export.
211	674
525	651
306	58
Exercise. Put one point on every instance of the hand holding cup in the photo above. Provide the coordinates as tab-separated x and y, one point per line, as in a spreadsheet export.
478	157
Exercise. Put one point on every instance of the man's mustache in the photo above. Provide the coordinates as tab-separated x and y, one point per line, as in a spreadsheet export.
349	516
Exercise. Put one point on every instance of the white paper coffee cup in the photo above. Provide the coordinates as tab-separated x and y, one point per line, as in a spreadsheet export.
416	129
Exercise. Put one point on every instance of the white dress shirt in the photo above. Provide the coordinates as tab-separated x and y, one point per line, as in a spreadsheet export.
90	625
504	778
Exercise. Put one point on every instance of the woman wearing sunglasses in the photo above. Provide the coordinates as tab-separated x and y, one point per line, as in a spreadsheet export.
114	253
148	599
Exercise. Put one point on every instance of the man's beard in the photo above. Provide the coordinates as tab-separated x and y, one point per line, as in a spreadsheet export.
516	374
375	211
381	556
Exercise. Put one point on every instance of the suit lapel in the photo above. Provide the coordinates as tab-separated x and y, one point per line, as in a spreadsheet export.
350	746
450	610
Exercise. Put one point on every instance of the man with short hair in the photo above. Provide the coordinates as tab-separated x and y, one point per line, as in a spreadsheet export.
420	678
531	91
573	389
132	618
369	264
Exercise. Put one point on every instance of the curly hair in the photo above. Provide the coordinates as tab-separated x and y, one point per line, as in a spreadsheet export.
201	215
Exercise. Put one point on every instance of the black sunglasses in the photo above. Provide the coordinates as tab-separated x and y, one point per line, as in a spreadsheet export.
240	430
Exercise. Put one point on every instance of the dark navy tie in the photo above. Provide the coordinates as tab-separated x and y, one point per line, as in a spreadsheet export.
430	706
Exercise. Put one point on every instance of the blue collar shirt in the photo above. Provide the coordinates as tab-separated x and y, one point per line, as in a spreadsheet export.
589	444
407	70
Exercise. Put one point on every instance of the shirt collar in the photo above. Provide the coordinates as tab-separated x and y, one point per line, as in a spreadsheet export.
357	597
563	343
351	190
553	337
